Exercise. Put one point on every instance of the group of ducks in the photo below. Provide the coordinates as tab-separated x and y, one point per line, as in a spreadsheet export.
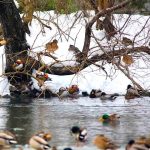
131	93
73	91
40	76
40	141
104	143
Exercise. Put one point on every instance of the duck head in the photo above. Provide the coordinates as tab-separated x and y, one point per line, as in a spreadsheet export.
93	93
75	130
55	41
103	94
62	89
80	134
47	77
129	86
104	118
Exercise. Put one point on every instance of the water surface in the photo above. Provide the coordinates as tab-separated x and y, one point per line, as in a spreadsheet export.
25	118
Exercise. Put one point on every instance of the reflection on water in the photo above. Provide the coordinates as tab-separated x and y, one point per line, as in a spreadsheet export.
28	117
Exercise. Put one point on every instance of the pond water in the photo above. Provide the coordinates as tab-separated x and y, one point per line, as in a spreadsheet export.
25	118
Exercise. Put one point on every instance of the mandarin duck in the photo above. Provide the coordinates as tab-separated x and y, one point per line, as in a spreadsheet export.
18	65
73	91
42	77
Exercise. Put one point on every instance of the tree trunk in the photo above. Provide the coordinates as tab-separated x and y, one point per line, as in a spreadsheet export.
14	34
13	31
13	27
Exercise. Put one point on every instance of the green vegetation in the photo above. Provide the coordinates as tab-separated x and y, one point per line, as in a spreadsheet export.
60	6
69	6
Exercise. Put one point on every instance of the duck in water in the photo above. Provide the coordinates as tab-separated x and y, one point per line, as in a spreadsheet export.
105	96
80	134
102	142
38	142
132	92
112	119
140	144
7	139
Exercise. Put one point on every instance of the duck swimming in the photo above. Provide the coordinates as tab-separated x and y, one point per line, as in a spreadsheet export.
38	142
7	139
80	134
135	145
109	118
105	96
104	143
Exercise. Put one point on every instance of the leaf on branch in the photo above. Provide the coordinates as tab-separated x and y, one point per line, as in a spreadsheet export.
127	59
51	46
103	4
28	9
3	42
1	30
